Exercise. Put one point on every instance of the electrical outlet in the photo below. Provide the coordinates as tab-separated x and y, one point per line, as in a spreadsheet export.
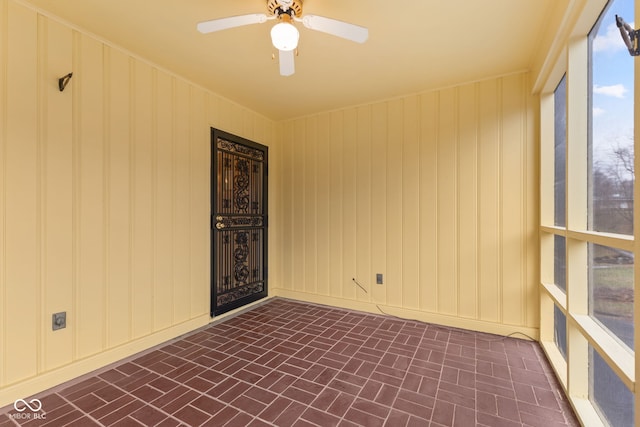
59	320
379	280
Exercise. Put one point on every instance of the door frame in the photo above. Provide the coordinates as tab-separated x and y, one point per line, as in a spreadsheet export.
215	134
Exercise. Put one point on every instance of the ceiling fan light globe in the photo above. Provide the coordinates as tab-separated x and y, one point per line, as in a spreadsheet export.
284	36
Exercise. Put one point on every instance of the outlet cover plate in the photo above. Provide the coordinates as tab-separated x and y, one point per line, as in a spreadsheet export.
59	320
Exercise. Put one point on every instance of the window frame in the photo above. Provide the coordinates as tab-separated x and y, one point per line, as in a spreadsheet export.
583	331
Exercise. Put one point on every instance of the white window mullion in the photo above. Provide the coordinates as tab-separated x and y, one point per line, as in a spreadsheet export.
577	134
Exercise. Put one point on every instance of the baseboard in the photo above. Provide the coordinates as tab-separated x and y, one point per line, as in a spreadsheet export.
39	384
404	313
50	379
32	387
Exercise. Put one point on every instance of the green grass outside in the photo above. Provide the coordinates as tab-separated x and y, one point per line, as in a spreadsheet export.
612	290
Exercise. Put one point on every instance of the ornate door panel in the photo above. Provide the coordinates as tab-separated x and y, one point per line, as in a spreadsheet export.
238	222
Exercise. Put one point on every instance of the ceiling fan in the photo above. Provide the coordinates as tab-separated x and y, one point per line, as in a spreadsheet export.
284	35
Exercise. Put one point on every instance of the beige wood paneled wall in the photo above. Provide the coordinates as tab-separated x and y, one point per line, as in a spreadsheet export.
104	200
436	191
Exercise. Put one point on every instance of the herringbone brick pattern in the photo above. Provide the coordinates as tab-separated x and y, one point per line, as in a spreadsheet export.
287	363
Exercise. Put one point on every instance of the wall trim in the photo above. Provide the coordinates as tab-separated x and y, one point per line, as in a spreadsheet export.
43	383
435	318
47	380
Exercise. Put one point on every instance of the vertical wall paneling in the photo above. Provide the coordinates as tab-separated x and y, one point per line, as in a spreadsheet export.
213	111
41	206
513	200
323	223
164	201
411	204
181	206
271	135
248	125
225	116
362	167
199	142
21	312
90	256
447	203
287	204
263	131
236	118
531	276
118	129
55	50
378	188
467	201
310	180
4	37
106	160
335	203
434	190
73	314
349	240
298	216
395	140
143	216
489	177
429	118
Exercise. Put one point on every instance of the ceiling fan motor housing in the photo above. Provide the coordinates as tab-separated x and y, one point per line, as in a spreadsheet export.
278	7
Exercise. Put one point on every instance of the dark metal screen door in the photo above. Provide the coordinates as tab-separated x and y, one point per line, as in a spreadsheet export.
238	221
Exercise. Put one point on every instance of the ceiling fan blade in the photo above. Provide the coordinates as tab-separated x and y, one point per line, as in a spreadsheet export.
337	28
231	22
287	66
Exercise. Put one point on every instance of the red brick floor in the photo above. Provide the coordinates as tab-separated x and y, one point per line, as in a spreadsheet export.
287	363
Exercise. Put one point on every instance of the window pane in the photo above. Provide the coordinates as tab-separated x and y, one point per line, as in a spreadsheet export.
560	144
611	290
607	392
560	330
560	262
611	171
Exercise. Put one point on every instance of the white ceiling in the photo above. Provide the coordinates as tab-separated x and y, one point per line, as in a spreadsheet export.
413	46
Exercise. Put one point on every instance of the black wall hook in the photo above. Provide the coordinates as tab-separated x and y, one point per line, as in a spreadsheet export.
629	36
63	81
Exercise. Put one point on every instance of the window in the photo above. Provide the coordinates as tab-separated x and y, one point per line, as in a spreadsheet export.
611	290
587	238
560	262
610	148
559	214
612	399
560	149
560	330
560	280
